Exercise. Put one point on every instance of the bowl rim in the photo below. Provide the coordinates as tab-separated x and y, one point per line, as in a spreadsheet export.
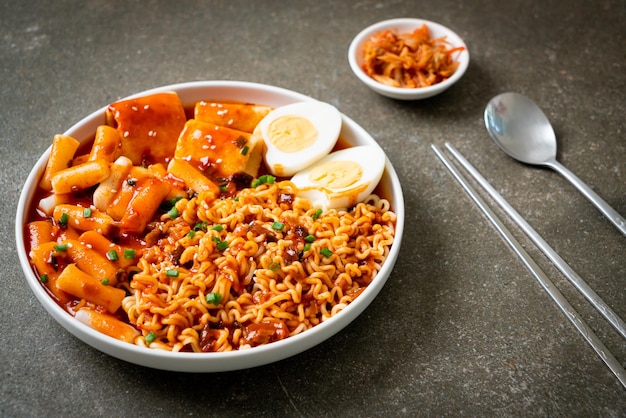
222	361
356	45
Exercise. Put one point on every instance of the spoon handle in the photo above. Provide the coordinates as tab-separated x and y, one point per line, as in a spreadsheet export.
617	219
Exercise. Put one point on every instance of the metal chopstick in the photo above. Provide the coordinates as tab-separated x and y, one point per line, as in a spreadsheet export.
548	286
567	271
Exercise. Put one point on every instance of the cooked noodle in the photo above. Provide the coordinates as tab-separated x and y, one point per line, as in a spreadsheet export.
272	283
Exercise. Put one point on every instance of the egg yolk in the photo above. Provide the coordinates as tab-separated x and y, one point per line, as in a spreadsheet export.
292	133
336	174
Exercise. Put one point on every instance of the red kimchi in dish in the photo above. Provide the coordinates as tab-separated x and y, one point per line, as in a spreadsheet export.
409	60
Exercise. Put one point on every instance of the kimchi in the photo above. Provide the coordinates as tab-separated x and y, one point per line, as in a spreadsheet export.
409	60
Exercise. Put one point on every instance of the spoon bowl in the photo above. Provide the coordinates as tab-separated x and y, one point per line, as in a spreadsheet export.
521	129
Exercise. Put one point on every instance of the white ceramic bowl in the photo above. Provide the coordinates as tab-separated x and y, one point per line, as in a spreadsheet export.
405	25
211	362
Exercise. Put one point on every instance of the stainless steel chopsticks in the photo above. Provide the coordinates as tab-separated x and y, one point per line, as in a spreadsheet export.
571	275
539	274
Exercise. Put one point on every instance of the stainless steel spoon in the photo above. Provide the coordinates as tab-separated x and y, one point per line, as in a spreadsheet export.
523	131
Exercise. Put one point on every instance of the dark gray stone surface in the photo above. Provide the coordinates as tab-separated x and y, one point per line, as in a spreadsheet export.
461	328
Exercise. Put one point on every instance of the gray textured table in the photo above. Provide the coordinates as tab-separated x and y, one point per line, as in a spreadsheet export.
461	328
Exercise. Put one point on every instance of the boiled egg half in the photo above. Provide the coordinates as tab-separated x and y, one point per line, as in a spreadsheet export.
343	178
297	135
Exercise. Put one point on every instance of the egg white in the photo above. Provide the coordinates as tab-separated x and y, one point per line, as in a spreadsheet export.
326	121
346	187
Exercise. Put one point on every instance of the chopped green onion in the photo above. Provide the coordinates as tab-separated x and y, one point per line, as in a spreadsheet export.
129	253
87	213
245	150
317	214
307	247
64	219
220	245
105	281
191	233
309	238
217	227
168	205
112	255
223	189
213	298
173	213
278	226
151	337
171	273
60	247
326	252
43	278
274	266
264	179
200	226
